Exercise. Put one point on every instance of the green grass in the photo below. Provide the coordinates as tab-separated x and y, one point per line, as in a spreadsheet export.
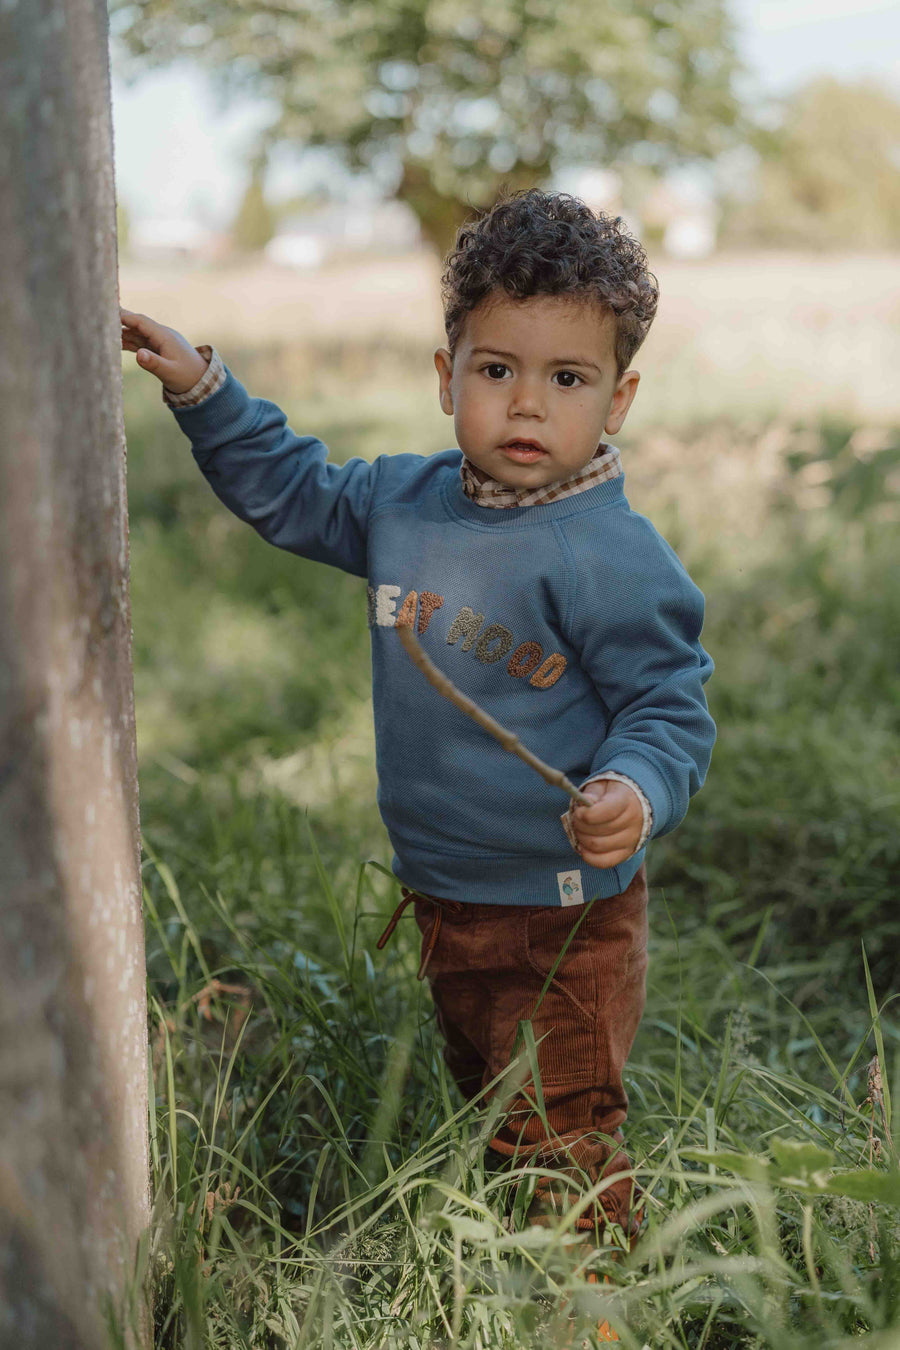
367	1215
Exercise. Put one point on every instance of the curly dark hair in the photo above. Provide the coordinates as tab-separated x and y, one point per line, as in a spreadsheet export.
542	243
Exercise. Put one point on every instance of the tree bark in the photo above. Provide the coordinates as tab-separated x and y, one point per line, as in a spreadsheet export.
73	1059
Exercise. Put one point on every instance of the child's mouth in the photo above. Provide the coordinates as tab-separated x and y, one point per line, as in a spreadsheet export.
523	452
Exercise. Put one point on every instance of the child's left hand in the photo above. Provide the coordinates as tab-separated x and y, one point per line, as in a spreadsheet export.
607	832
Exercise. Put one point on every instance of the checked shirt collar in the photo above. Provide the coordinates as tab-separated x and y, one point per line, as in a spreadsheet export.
607	463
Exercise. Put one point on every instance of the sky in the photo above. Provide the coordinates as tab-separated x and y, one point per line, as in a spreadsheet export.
178	156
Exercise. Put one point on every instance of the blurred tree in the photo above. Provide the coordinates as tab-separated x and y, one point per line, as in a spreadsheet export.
301	204
444	100
254	223
827	176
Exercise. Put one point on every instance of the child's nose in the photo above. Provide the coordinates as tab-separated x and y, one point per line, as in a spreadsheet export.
526	398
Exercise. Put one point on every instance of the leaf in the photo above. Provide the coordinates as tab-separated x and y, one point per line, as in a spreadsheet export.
742	1164
865	1184
801	1166
463	1226
798	1161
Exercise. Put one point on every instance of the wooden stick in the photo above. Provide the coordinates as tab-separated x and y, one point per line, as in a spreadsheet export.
506	738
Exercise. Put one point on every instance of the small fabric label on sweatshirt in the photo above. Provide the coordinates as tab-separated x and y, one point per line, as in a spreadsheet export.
570	892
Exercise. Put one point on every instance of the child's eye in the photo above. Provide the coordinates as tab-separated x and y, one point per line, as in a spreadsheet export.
493	368
569	375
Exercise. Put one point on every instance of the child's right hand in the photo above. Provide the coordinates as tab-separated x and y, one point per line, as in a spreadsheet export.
162	351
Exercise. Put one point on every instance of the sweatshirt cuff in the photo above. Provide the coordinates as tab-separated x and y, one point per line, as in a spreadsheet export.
209	382
646	808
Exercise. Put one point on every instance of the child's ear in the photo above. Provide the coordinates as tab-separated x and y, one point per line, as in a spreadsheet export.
622	400
443	362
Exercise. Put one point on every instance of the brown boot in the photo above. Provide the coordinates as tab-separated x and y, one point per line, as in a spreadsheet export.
615	1224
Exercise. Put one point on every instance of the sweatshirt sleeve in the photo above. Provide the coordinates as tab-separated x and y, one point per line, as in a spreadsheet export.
637	626
280	483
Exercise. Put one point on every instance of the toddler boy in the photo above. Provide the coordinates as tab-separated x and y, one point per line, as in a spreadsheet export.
527	577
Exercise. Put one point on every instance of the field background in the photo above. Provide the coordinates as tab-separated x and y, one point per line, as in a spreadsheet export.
765	445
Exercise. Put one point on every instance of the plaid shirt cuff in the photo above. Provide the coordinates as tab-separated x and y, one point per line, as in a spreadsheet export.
646	809
211	380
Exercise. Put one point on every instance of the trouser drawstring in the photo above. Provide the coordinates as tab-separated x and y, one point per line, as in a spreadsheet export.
455	907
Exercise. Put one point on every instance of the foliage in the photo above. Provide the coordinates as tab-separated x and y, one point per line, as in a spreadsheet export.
442	101
318	1181
806	696
828	176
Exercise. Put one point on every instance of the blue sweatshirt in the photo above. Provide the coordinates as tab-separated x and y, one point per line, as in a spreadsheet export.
573	623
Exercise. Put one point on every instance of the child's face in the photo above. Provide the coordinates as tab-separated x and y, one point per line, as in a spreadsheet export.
540	370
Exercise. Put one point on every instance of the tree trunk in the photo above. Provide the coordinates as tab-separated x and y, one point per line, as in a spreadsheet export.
73	1061
440	215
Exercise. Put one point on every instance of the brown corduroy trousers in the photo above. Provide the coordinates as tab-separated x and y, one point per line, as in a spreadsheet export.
487	966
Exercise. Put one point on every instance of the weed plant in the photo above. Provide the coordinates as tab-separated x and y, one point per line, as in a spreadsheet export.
317	1180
